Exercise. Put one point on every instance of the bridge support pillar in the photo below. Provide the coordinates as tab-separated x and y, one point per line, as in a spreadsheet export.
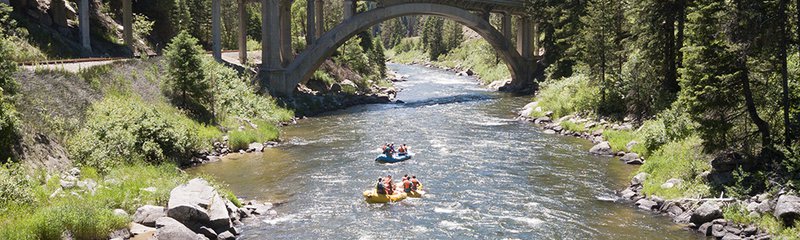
242	31
286	32
278	85
349	8
311	28
535	36
270	35
320	18
524	37
216	30
83	24
127	24
506	25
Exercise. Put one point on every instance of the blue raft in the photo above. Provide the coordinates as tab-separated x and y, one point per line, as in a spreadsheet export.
393	159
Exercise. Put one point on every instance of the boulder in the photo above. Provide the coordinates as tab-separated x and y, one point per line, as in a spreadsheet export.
733	230
646	204
139	229
639	178
598	132
731	236
672	182
589	125
255	147
683	217
196	203
207	232
121	213
627	193
631	158
788	208
726	162
147	215
549	131
542	120
718	230
603	148
226	236
749	231
171	229
707	212
630	145
705	229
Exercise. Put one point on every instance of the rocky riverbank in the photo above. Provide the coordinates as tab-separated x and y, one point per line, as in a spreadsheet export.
195	211
704	216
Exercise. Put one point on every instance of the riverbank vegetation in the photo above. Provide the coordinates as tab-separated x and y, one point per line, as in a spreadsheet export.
124	127
705	86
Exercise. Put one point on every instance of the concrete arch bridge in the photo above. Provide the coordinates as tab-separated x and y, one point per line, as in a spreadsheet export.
281	71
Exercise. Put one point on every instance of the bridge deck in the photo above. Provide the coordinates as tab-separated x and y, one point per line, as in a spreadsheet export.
511	6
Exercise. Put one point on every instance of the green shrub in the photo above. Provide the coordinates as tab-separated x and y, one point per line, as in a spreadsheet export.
124	129
184	67
478	55
682	160
738	213
14	186
568	96
235	97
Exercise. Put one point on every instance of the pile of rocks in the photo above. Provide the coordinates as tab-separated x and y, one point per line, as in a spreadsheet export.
195	211
602	147
705	215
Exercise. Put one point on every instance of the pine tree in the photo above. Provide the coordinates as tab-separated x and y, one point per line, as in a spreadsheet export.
598	42
709	78
379	59
184	66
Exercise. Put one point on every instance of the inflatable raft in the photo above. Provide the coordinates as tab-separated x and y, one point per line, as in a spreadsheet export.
416	194
371	196
394	158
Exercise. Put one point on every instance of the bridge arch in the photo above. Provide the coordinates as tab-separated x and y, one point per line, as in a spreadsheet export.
308	61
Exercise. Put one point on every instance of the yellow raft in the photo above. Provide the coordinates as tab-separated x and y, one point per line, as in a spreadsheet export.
416	194
372	196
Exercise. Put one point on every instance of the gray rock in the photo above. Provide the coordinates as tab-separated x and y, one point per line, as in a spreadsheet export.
75	172
639	179
262	209
147	215
630	145
764	207
171	229
731	236
120	234
672	182
629	157
541	120
603	148
707	212
733	230
558	128
255	147
598	132
121	213
683	217
674	210
589	125
207	232
226	236
718	230
549	131
646	204
139	229
196	202
749	231
627	193
705	229
235	231
788	208
67	184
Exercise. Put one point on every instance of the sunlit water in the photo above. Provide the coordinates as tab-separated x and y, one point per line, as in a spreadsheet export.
488	176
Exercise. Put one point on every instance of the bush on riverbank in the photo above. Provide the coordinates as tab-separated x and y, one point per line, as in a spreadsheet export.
241	138
573	95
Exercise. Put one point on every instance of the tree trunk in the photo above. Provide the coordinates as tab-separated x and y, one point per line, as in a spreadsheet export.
670	84
784	38
763	127
679	41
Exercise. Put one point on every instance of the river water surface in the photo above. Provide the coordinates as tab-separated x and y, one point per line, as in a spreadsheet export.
487	175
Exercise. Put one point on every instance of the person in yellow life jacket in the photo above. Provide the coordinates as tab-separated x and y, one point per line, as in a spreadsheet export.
407	185
414	183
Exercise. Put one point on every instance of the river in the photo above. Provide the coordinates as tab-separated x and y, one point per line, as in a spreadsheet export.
487	175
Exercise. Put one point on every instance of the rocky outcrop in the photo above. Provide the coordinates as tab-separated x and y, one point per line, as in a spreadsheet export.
788	208
707	212
198	204
171	229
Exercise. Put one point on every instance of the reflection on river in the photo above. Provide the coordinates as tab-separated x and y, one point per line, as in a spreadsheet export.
487	175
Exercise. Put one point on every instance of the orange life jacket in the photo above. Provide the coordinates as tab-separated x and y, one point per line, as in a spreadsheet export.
407	185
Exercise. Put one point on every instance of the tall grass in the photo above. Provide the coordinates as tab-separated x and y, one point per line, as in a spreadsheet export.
572	95
241	139
682	160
